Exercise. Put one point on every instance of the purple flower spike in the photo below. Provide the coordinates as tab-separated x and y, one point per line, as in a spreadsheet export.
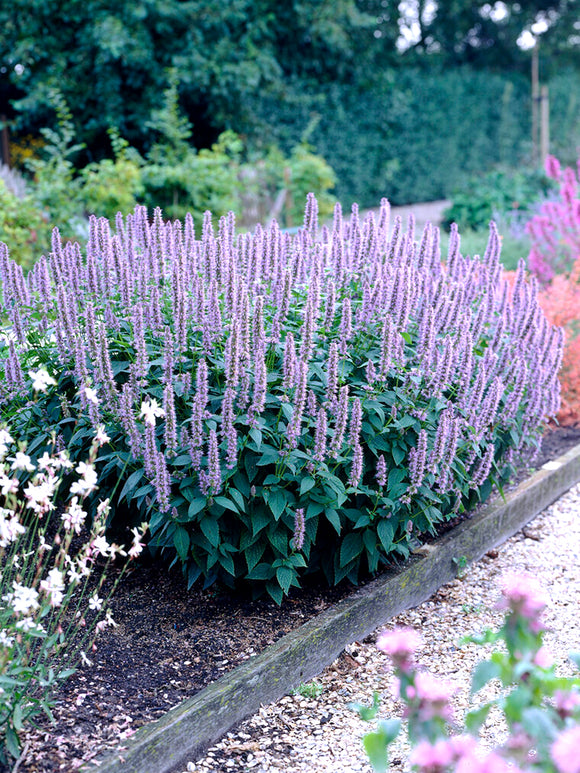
299	529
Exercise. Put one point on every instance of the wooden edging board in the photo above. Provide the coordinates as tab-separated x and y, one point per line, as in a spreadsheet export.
186	731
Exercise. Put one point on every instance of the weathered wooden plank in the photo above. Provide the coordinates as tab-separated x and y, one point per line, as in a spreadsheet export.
183	733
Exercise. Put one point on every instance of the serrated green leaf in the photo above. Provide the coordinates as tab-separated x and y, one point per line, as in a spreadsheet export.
284	575
12	742
386	532
398	454
475	719
256	436
253	553
352	546
196	506
333	517
306	484
261	571
238	499
131	484
181	542
211	530
226	503
276	592
277	502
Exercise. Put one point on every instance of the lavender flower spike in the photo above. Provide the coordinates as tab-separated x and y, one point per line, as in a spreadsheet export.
299	529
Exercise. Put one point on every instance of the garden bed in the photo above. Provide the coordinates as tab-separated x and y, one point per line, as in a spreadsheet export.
169	645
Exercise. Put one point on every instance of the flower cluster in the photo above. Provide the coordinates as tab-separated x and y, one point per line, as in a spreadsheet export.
47	623
219	363
542	711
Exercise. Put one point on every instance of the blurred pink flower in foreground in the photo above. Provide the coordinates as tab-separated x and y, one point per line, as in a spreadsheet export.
566	751
523	595
400	644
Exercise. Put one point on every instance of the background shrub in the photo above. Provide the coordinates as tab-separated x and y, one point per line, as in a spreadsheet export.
323	396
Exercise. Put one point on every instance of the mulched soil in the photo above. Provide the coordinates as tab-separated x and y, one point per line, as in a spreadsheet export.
170	643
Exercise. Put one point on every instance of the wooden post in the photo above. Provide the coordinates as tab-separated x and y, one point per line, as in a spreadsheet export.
535	103
5	142
544	125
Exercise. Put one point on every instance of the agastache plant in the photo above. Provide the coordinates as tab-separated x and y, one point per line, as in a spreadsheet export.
208	356
541	709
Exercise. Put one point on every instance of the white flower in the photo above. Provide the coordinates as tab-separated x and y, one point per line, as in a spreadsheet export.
5	439
41	379
101	436
8	485
54	587
28	624
95	603
151	410
10	527
23	599
63	461
101	546
91	395
39	495
87	482
21	461
85	660
74	516
137	546
5	639
45	462
103	508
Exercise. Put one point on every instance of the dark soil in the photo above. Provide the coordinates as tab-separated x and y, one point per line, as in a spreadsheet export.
169	644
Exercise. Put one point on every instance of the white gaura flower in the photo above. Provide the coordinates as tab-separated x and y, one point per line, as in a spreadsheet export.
54	587
151	410
21	461
10	527
85	661
46	462
101	546
5	639
101	436
5	440
41	379
87	481
91	395
8	485
39	495
23	599
95	603
74	517
28	624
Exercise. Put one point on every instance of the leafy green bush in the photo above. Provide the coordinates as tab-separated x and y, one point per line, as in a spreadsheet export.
482	198
321	402
23	227
113	185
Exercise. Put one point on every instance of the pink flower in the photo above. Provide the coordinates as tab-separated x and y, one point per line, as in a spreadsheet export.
434	696
491	763
543	659
432	758
462	745
400	644
566	702
523	595
566	751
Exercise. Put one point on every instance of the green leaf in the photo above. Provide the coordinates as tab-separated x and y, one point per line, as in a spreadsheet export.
256	436
12	742
538	724
17	717
352	546
211	530
276	592
238	498
261	571
181	542
269	456
131	484
484	672
396	475
575	658
398	454
253	553
277	502
196	506
227	562
226	503
377	751
260	519
284	575
333	517
475	719
386	532
306	484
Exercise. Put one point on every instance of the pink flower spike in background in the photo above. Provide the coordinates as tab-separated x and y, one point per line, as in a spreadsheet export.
400	644
523	595
566	751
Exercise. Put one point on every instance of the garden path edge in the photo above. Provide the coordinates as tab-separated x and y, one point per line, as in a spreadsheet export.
187	730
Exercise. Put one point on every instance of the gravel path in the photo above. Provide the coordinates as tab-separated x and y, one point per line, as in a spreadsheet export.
321	734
